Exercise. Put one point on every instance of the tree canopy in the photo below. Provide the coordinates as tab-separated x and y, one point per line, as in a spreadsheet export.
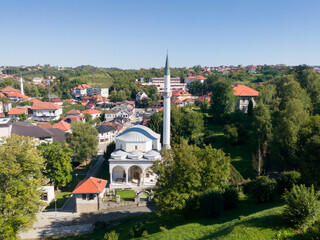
21	178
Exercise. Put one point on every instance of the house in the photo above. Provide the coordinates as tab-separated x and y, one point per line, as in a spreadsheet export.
94	113
80	90
17	96
37	80
245	95
106	133
191	79
178	103
114	124
16	112
74	116
57	101
175	83
130	164
180	95
141	96
112	114
29	130
64	126
103	92
46	111
88	194
5	127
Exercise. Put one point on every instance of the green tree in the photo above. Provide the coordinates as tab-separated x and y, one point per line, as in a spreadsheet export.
185	172
58	162
23	117
223	100
21	168
83	141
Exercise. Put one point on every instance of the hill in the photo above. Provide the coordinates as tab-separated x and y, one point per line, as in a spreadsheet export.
101	80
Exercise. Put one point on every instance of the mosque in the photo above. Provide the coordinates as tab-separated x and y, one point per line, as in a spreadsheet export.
137	147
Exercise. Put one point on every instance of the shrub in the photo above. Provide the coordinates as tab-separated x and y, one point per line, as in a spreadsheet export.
302	206
231	134
262	188
163	229
211	203
144	233
230	197
287	180
137	230
111	235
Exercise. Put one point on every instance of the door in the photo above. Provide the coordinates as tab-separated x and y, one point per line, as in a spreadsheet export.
136	176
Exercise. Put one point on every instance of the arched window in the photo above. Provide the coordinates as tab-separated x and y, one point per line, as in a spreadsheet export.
147	175
136	147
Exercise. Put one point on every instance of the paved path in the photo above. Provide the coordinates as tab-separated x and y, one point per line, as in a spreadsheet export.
65	223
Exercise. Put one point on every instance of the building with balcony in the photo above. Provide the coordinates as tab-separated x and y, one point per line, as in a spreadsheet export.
46	111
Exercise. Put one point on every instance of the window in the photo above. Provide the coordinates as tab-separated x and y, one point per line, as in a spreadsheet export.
44	196
136	147
147	175
152	146
84	196
91	196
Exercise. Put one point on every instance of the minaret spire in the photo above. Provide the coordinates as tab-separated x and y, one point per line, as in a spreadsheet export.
21	85
167	106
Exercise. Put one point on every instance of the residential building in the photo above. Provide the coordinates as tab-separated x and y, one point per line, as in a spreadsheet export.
16	112
5	127
141	96
64	126
80	90
103	92
46	111
175	84
191	79
112	114
106	133
47	194
41	135
245	95
88	194
94	113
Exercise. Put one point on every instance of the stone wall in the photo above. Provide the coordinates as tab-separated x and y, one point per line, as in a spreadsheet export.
86	207
111	205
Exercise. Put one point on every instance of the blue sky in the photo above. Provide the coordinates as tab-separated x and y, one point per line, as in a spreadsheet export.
136	33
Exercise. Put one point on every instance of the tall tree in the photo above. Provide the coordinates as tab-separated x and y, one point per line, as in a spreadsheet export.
58	162
21	167
223	99
83	141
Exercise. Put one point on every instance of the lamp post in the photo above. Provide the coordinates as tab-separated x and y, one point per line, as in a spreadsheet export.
55	206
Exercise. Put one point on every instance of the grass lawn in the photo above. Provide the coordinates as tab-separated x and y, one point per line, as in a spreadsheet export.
126	195
257	221
61	197
99	80
241	155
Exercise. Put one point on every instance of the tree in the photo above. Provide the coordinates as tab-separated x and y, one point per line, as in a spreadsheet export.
58	162
23	117
83	141
184	173
21	168
250	108
223	99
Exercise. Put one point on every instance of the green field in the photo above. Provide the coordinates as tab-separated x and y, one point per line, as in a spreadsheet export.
99	80
248	221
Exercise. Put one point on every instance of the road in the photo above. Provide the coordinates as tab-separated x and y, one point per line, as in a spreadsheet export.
66	223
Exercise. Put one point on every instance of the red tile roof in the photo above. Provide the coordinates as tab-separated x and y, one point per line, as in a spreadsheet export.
8	89
61	125
73	112
45	106
197	77
91	185
244	91
91	111
82	87
17	111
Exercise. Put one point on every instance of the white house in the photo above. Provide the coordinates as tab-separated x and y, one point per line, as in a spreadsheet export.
106	133
16	112
245	95
80	91
130	164
103	92
141	96
5	127
112	114
46	111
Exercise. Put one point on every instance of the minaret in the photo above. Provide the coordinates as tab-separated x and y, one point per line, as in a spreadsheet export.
167	106
21	86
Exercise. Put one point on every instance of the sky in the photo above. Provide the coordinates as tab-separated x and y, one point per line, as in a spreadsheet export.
131	34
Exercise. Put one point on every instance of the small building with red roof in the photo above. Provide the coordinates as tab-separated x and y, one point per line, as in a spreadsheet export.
245	94
16	112
80	90
94	113
88	194
191	79
64	126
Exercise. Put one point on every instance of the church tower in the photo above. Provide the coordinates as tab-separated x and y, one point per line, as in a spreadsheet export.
21	86
167	106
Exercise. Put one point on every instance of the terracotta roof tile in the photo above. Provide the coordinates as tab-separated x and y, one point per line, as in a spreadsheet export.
244	91
45	106
91	111
17	111
91	185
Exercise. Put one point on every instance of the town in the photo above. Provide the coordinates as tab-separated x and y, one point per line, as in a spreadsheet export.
159	120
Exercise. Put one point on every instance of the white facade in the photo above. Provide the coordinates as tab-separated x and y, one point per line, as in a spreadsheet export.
5	127
103	92
167	106
47	194
243	103
130	164
46	115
